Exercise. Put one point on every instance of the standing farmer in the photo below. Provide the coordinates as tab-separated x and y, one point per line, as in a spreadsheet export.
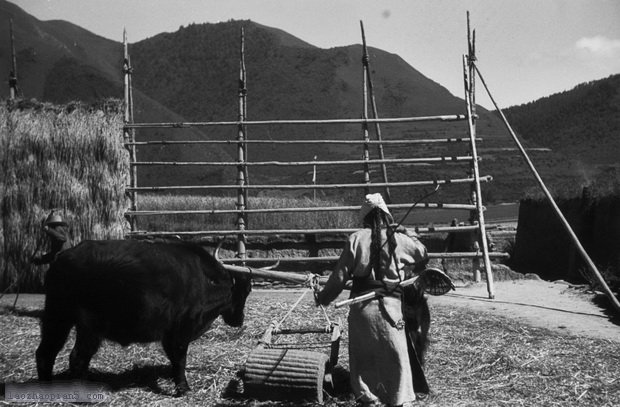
57	232
376	258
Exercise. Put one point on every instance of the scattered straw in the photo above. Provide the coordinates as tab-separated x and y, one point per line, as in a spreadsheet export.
474	359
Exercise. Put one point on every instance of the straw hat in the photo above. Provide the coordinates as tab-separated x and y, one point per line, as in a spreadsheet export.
54	220
373	201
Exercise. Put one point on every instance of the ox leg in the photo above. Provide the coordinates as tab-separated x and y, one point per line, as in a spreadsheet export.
423	317
176	350
55	327
86	345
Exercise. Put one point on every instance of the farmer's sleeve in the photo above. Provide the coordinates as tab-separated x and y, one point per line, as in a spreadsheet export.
418	252
59	235
46	258
338	277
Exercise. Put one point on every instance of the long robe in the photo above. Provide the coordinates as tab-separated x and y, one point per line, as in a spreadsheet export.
378	357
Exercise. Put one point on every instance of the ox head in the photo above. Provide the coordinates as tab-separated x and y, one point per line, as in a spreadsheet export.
241	288
242	285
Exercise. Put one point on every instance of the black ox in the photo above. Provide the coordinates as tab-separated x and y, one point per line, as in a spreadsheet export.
130	291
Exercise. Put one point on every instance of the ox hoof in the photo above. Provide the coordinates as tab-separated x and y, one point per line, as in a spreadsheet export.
181	390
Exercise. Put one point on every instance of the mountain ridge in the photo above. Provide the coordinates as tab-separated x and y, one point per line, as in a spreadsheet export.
287	78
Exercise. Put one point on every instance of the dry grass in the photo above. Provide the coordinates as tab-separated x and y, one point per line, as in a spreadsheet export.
189	222
69	158
474	359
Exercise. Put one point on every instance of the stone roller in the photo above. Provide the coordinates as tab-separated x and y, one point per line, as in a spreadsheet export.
285	374
290	374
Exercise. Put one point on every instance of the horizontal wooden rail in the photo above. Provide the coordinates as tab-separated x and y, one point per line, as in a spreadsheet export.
467	255
323	259
486	178
303	330
429	160
314	141
296	209
444	118
234	232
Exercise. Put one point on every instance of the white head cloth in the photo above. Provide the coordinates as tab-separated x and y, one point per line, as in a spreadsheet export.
373	201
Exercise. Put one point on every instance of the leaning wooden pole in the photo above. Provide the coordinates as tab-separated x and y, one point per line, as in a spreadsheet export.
478	191
375	114
612	298
130	134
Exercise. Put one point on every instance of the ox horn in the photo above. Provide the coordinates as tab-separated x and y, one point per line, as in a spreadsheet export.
216	253
273	266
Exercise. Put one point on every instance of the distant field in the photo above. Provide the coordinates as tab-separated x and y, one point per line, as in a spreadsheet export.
501	213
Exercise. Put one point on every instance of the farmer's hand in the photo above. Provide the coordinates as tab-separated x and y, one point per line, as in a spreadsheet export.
316	288
36	259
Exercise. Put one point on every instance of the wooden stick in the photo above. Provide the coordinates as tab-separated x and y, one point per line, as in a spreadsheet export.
302	330
318	186
417	229
476	184
288	277
13	87
375	114
243	130
130	134
444	118
307	163
437	255
373	294
296	209
366	152
383	142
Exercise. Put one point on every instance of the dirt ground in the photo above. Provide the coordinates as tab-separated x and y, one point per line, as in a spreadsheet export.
557	306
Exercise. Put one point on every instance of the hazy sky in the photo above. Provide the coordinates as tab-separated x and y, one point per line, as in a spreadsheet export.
526	49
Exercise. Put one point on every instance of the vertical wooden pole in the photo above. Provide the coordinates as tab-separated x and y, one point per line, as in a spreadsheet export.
241	154
130	135
13	73
243	94
472	102
314	178
476	174
366	153
375	114
584	255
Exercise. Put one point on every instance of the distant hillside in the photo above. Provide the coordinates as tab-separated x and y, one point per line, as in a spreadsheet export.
583	124
41	45
193	74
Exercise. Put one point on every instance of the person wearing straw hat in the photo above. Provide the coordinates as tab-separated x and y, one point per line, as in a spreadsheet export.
56	230
377	257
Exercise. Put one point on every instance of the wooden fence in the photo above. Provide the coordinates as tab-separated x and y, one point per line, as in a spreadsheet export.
369	120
